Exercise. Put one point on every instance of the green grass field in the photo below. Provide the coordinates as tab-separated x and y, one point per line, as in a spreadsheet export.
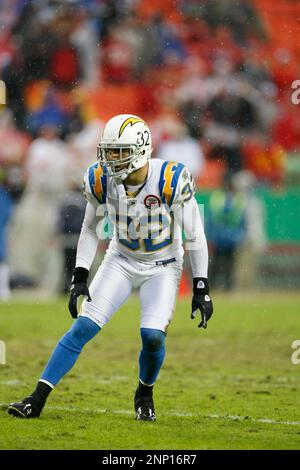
232	386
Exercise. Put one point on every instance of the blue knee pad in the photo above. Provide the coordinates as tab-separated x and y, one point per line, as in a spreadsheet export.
153	340
68	349
82	331
152	355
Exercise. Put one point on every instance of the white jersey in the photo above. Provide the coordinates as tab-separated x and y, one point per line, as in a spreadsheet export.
145	227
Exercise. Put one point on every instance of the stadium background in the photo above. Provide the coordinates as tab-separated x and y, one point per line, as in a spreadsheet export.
214	80
215	74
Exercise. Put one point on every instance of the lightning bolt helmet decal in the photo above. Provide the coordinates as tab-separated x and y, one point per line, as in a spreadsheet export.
131	120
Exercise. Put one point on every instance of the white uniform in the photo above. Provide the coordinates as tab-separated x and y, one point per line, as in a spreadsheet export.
146	248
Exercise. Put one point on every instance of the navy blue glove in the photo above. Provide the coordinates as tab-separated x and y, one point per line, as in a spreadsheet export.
79	287
202	301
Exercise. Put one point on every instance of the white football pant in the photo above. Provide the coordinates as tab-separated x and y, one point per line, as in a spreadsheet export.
114	280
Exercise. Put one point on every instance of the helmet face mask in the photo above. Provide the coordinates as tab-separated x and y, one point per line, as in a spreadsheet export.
116	158
125	146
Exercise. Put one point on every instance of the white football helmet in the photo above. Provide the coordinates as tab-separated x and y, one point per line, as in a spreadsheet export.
125	145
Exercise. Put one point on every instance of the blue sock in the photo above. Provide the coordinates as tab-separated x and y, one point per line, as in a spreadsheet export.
68	349
152	354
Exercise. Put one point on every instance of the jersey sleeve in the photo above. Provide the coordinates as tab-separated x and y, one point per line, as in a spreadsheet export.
195	244
88	239
95	185
185	189
176	184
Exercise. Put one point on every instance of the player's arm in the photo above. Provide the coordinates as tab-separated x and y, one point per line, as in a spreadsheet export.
196	245
86	250
88	239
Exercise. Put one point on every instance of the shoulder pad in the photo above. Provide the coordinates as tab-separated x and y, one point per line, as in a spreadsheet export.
95	184
169	176
176	184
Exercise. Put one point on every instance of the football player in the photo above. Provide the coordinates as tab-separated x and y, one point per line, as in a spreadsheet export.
149	201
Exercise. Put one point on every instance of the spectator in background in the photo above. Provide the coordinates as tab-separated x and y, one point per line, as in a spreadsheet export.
250	252
14	77
137	38
226	231
6	207
84	38
64	67
48	168
230	117
14	143
83	144
70	217
37	46
245	183
182	148
217	12
117	58
166	44
108	14
48	104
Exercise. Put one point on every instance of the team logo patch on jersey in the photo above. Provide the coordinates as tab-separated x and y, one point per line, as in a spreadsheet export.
131	121
151	201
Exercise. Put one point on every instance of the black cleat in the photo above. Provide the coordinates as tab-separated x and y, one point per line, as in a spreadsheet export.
144	407
30	407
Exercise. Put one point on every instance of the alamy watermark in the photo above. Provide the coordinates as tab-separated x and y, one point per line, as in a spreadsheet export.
156	225
2	353
295	98
295	357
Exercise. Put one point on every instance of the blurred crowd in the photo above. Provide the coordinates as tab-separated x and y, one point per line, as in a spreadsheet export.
204	74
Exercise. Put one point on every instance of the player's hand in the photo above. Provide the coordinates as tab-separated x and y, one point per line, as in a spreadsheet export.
79	287
202	301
